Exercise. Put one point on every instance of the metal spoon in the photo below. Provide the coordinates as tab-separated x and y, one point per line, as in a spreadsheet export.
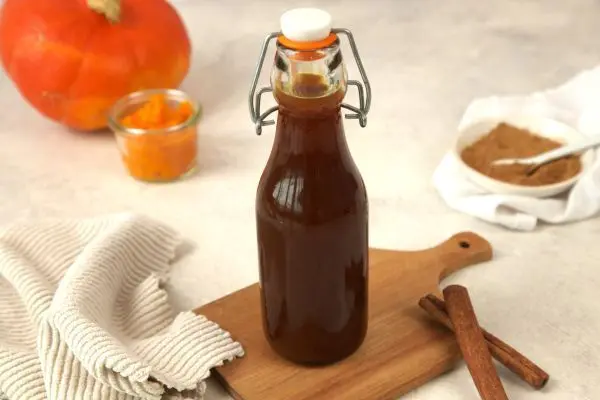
542	159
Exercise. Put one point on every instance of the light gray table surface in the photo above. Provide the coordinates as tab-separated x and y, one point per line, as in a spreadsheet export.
426	60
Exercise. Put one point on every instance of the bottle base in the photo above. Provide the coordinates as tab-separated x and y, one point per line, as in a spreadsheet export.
311	359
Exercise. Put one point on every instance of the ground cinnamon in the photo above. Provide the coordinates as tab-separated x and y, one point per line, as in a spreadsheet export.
507	141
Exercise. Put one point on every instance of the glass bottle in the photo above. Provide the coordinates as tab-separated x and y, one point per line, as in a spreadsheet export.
312	210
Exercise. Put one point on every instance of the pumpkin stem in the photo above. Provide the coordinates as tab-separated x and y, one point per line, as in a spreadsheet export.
111	9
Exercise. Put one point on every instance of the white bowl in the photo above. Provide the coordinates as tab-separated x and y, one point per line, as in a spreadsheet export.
545	127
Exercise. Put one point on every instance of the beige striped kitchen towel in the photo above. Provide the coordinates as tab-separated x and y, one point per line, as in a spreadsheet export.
83	315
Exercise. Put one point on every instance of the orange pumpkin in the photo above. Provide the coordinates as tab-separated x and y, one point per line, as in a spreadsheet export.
72	59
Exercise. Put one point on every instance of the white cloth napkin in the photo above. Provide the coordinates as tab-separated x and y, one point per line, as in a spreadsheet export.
576	103
83	315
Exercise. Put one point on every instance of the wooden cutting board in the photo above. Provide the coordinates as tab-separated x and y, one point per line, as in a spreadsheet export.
403	348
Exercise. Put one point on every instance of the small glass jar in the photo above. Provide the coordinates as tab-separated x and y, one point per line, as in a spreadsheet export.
158	154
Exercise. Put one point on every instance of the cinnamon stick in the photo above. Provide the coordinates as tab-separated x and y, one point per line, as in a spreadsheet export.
472	344
516	362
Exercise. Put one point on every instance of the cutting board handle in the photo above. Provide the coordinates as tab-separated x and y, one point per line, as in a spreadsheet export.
460	251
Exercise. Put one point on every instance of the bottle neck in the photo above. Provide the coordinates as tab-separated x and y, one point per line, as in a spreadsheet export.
309	87
298	134
305	81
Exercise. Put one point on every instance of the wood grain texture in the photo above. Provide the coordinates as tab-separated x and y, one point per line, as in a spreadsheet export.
403	348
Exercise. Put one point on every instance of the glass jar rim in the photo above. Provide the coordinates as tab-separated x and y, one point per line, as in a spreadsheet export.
171	94
333	45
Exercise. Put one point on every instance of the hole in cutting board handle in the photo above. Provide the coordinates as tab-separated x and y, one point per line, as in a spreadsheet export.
464	244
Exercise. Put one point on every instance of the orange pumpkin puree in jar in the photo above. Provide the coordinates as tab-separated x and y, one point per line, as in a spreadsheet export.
165	148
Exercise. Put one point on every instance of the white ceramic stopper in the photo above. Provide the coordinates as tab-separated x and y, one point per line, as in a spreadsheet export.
306	24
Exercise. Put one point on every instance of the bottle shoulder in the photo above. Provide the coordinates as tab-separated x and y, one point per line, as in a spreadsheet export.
311	192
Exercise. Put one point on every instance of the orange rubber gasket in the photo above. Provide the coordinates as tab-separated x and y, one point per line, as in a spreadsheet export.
294	45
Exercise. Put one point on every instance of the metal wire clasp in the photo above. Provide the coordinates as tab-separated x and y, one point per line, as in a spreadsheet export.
364	88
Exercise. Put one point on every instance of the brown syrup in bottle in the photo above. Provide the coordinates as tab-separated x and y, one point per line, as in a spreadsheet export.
312	226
